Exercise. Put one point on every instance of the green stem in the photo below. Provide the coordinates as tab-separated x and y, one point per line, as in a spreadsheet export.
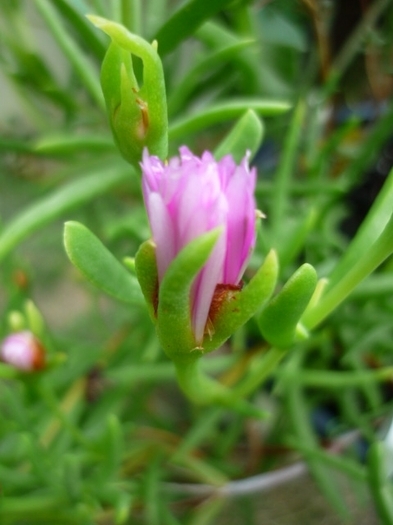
260	369
203	390
299	417
377	253
328	379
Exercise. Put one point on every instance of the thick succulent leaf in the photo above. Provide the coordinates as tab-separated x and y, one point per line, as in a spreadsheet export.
246	135
98	265
174	315
279	320
146	272
240	306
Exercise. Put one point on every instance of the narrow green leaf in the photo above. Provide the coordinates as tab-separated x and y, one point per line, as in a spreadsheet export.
246	135
300	420
216	36
98	265
74	12
370	229
65	143
112	447
207	512
151	494
286	170
218	59
72	477
75	55
225	111
71	195
366	263
185	21
379	483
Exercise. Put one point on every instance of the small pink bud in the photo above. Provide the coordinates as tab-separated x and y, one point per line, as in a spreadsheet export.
190	196
23	351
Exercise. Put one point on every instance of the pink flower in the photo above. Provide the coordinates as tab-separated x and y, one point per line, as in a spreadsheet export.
190	196
23	351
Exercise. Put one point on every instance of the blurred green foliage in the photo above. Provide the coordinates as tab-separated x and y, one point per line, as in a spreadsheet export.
103	432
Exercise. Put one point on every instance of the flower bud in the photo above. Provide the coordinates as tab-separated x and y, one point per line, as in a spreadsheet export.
190	197
137	114
23	351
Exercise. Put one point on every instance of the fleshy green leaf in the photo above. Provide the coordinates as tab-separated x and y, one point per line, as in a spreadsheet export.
146	272
240	306
279	320
98	265
246	134
174	316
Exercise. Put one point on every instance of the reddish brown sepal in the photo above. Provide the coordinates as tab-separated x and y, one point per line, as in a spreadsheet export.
222	294
39	360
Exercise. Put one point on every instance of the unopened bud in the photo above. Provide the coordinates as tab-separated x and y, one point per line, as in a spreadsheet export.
137	113
23	351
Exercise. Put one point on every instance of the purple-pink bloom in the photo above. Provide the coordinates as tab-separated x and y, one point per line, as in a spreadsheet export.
189	196
23	351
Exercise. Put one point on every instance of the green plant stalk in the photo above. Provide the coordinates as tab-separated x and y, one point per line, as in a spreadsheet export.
160	372
259	370
26	507
371	390
72	52
202	428
342	464
333	380
202	389
379	482
376	255
300	420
